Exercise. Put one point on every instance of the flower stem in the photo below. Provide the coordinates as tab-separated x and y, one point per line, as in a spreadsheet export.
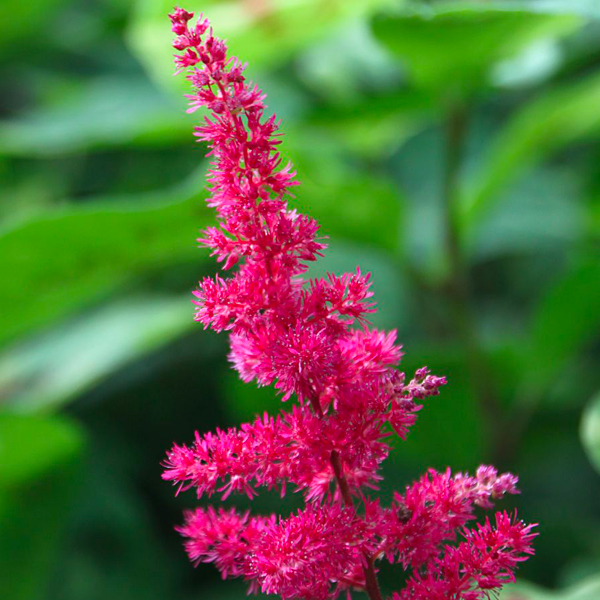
371	583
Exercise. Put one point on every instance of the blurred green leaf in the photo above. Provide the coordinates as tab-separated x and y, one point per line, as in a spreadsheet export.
590	431
585	8
376	127
588	589
566	319
346	201
550	217
32	446
261	33
105	111
545	125
47	371
57	262
39	469
24	19
348	65
450	47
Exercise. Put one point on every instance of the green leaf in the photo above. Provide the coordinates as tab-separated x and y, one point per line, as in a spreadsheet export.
103	112
24	20
566	319
376	127
39	470
585	8
262	34
450	47
551	217
50	369
31	447
345	200
542	127
590	431
589	589
58	262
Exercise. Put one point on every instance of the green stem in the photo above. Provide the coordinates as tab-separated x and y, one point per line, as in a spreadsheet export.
458	284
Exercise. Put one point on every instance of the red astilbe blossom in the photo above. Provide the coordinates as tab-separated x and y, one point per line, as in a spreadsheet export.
483	562
312	341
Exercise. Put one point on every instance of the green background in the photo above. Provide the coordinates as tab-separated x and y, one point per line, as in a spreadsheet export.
450	148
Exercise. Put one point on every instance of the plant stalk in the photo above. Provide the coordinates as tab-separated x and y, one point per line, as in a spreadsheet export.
458	284
371	583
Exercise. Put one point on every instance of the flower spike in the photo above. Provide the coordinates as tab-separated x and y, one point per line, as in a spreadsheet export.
311	340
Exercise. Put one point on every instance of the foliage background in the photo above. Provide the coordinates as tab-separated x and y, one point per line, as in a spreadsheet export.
450	148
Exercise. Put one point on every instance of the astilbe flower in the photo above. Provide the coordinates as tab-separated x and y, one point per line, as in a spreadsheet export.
311	340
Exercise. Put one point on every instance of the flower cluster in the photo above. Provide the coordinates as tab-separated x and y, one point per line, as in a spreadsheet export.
312	341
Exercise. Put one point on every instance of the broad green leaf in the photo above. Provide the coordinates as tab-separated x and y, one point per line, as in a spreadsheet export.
450	47
590	431
58	262
585	8
39	471
50	369
550	211
262	34
348	65
543	126
566	319
103	112
346	201
376	127
589	589
24	20
33	446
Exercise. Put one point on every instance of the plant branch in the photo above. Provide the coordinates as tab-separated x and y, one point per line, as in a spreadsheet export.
458	284
371	583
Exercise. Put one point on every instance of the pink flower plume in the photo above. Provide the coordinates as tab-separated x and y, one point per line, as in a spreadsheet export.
312	340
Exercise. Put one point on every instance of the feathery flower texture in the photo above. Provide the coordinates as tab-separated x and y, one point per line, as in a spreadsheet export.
312	341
